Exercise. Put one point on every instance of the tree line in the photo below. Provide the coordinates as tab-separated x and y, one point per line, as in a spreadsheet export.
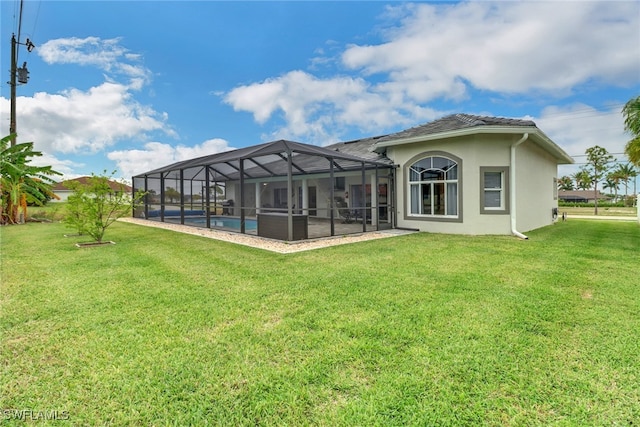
600	168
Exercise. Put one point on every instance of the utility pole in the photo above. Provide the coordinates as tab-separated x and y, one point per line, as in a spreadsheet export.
22	76
12	123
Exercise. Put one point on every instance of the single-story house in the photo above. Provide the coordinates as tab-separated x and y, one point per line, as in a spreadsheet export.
462	174
62	190
581	196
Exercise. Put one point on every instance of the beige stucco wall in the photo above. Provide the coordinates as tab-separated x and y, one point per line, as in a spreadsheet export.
535	173
534	183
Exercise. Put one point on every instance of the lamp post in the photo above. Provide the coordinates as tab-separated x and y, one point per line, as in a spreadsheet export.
22	76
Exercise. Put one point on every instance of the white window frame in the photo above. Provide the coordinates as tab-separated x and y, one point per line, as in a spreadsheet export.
503	190
449	185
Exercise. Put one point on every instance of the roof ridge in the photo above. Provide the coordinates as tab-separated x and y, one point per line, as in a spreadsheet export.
470	119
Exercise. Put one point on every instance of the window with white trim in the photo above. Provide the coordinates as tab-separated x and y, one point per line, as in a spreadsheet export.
433	187
494	190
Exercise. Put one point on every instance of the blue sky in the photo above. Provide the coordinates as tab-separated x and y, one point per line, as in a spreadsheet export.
137	85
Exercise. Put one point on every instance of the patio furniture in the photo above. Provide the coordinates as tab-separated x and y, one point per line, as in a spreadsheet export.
343	210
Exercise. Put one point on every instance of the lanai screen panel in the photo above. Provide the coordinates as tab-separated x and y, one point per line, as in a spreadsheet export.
282	177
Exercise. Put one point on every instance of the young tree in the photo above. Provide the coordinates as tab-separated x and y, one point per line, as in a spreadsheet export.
598	163
76	215
631	113
96	205
171	193
20	182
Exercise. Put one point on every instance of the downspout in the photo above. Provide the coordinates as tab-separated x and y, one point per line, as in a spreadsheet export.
512	187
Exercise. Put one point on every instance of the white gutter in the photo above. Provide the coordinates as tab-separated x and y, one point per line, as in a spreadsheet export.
512	186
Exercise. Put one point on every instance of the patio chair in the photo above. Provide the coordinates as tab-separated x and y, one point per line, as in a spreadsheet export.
343	210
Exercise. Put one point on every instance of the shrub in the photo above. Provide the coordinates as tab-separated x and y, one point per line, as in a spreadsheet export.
94	206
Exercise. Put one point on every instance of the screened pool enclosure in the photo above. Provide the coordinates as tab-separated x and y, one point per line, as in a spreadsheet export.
282	190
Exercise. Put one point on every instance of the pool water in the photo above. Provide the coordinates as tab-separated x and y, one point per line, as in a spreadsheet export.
224	222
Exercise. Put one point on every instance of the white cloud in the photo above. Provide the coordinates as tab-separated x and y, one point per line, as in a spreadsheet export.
578	127
105	54
438	52
511	47
317	109
157	154
84	121
65	167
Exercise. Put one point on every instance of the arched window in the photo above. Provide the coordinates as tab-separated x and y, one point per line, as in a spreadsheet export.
433	187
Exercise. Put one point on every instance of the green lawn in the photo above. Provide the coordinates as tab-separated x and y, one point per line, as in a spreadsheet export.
602	211
171	329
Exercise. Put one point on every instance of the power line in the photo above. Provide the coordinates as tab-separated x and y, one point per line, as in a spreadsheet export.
584	113
613	154
35	22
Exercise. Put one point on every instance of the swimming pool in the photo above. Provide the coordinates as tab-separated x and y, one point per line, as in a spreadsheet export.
223	222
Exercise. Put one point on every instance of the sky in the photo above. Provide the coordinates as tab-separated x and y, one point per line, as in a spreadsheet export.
134	85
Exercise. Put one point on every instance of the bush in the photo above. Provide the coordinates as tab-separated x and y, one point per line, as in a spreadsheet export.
601	204
94	206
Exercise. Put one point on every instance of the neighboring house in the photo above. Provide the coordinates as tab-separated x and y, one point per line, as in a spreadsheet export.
581	196
461	174
62	191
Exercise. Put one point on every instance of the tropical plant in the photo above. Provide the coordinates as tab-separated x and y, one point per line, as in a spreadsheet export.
598	163
20	182
613	180
76	215
610	184
95	205
583	179
631	113
565	183
171	193
626	172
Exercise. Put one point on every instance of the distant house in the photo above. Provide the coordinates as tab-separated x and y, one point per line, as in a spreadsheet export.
63	191
581	196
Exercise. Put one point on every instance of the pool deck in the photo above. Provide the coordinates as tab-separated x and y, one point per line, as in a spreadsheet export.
317	228
272	245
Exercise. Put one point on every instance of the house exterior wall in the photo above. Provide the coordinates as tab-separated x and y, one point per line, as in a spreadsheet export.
535	171
62	194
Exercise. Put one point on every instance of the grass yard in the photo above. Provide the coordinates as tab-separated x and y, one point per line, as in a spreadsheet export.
426	329
602	211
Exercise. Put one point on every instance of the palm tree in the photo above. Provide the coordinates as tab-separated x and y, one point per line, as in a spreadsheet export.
626	172
20	182
583	179
631	113
612	181
565	183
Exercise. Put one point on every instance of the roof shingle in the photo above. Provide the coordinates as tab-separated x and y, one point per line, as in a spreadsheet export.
456	122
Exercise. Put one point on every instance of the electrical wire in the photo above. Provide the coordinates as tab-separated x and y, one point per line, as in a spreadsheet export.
585	112
35	22
19	32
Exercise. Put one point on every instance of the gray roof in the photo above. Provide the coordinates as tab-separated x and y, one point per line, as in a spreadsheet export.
455	122
362	148
266	160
